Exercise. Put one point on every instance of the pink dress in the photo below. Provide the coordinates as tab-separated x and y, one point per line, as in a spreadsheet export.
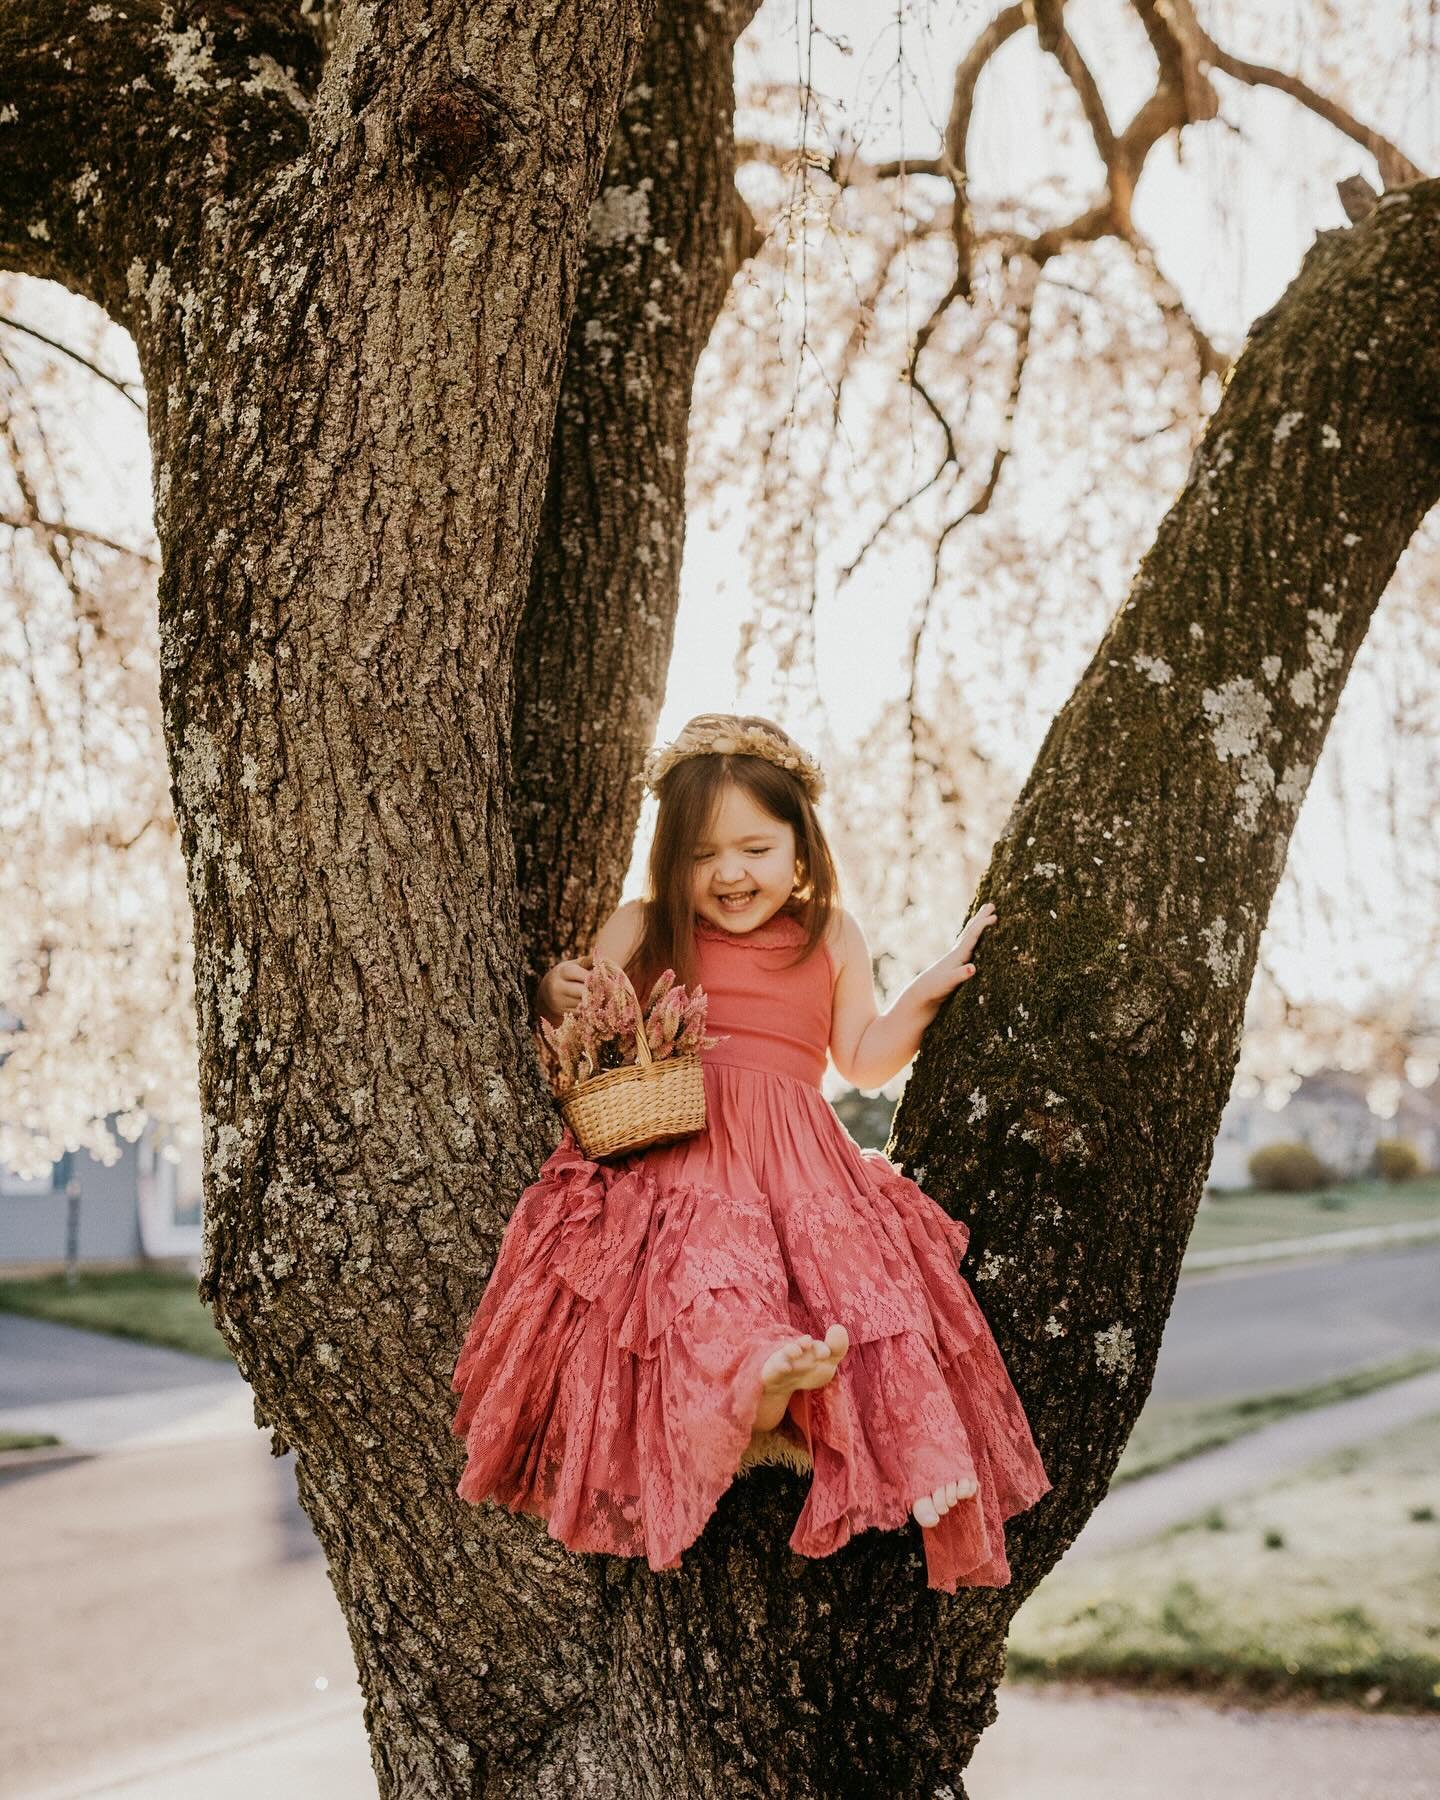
611	1373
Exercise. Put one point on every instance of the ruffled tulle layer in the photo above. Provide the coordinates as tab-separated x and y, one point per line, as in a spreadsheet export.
610	1377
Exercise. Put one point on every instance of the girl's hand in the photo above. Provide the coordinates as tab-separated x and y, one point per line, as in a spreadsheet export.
965	944
562	988
955	966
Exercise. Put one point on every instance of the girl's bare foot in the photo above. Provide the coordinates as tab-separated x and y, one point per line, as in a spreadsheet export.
802	1363
928	1507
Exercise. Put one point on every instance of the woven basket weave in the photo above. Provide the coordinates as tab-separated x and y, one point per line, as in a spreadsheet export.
646	1102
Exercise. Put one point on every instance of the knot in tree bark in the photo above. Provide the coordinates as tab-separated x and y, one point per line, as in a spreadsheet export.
457	126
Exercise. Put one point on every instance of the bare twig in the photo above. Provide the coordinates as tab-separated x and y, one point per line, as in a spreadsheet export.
1395	167
51	528
120	386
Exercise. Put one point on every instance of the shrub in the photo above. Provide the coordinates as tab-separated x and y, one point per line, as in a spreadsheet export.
1396	1159
1288	1168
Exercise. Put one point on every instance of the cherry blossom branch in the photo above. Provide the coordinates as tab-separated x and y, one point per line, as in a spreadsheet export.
50	528
1396	168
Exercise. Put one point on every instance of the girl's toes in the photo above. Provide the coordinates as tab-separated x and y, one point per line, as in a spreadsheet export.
929	1509
837	1341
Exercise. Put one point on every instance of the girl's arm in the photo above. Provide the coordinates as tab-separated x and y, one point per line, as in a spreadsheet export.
867	1046
620	933
559	989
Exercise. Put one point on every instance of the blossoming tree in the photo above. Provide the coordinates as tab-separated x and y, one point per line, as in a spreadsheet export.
418	294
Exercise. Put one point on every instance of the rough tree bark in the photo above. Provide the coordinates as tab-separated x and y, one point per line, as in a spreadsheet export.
668	232
351	281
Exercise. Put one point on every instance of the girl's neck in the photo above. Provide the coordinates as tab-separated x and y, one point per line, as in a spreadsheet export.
785	911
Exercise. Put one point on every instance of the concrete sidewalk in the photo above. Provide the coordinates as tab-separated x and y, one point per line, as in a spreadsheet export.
1046	1744
1321	1243
117	1422
99	1392
182	1573
1141	1509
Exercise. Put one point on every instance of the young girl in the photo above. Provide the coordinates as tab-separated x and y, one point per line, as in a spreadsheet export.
764	1289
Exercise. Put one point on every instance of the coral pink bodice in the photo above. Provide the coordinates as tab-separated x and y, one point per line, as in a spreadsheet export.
775	1018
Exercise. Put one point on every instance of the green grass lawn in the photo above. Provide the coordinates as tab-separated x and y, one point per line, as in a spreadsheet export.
1169	1431
26	1440
1229	1221
1324	1586
160	1306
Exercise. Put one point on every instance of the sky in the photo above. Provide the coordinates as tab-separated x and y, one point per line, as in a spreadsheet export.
1272	220
1275	164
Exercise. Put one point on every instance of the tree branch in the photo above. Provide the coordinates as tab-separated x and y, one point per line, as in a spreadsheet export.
50	528
120	132
953	150
1091	1067
121	387
1396	169
667	234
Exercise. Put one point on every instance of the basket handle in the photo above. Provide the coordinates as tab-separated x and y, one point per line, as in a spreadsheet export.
643	1057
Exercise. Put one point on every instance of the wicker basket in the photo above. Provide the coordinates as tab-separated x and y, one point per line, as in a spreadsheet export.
645	1102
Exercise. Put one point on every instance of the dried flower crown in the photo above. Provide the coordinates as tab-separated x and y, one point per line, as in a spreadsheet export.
723	734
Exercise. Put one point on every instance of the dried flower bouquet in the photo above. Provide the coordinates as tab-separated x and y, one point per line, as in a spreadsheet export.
600	1032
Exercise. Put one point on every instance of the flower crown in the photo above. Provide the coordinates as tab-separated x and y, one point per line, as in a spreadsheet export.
723	734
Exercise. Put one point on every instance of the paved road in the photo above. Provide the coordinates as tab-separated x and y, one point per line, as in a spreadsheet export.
1241	1331
1258	1329
1075	1741
173	1582
40	1362
1138	1510
98	1392
152	1583
150	1594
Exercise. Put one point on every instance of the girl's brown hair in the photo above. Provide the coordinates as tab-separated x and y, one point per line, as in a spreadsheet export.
689	793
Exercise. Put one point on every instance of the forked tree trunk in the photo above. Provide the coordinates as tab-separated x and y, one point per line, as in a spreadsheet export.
353	324
668	233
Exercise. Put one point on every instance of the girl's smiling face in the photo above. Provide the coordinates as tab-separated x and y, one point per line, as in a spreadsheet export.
748	854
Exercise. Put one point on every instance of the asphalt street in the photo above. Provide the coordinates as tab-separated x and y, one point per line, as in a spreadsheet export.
1239	1331
40	1361
178	1582
1270	1326
164	1645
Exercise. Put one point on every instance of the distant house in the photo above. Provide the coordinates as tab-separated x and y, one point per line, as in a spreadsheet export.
145	1204
142	1206
1330	1113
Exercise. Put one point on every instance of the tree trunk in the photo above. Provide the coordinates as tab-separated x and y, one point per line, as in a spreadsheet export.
1066	1101
667	234
353	326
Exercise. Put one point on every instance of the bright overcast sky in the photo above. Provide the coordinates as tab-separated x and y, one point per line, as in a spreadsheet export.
1278	181
1231	264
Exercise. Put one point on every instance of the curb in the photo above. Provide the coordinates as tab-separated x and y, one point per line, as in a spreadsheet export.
1362	1237
14	1463
1147	1507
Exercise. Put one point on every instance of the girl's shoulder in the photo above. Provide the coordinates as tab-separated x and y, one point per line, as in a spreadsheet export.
845	940
620	935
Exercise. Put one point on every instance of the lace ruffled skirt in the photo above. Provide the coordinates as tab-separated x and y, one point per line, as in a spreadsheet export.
610	1377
